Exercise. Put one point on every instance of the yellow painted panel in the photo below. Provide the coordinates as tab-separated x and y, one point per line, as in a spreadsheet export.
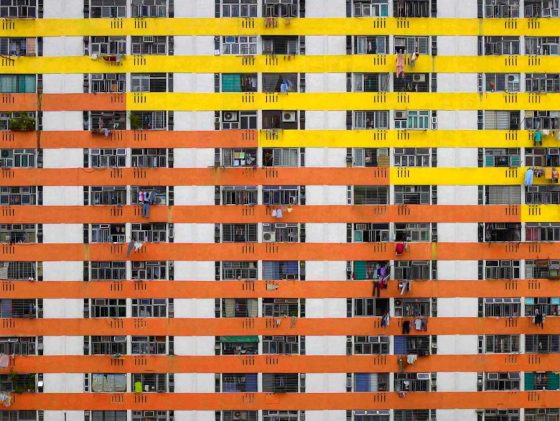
341	101
306	64
540	213
400	138
259	26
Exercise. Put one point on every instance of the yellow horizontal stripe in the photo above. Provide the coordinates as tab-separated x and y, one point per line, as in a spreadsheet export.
258	26
400	139
540	213
460	176
306	64
342	101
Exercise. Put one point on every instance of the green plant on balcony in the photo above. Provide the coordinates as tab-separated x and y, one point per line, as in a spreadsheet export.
22	123
135	121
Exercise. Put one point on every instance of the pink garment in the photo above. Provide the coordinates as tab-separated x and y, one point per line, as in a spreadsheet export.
400	64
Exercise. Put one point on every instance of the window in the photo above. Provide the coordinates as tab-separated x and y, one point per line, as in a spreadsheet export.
113	120
149	9
272	82
280	307
371	415
149	345
542	8
281	233
236	383
284	45
107	307
412	195
238	8
491	231
370	157
108	383
542	46
239	270
360	270
501	381
20	309
106	46
411	9
370	120
542	344
105	345
409	45
500	45
108	9
412	82
18	345
282	270
18	46
368	345
413	415
542	414
148	120
280	8
501	344
19	158
18	233
288	120
283	415
412	157
370	233
108	271
237	345
419	120
281	157
412	269
151	158
501	8
413	307
412	382
280	382
501	415
107	158
501	120
502	307
502	157
160	192
18	9
108	415
107	195
19	271
237	157
151	45
234	45
281	195
17	383
502	82
371	195
501	269
542	120
18	84
150	270
149	382
370	82
239	307
370	382
150	233
107	82
502	195
367	307
281	344
151	307
18	121
542	82
234	120
548	306
543	195
239	233
542	231
239	195
542	269
240	82
366	8
370	45
148	82
238	415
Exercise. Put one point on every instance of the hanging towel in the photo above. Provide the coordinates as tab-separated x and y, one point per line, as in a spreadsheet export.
529	177
400	64
130	248
4	360
537	137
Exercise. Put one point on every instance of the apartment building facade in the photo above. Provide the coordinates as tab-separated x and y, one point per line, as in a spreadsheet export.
279	210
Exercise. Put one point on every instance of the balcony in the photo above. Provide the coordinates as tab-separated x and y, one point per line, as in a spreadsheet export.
369	382
282	383
237	307
414	382
281	120
20	309
499	232
19	233
18	47
20	383
237	345
238	383
542	269
150	383
418	345
21	271
282	45
21	345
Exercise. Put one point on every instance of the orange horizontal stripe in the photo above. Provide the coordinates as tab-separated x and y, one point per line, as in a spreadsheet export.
280	364
286	289
270	326
260	213
279	251
130	139
64	102
193	176
283	401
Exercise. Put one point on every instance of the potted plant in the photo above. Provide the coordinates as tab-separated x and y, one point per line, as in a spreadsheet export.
135	121
22	123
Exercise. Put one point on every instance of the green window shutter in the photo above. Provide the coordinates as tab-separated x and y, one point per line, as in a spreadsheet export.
489	161
515	161
231	83
553	381
359	271
529	381
358	236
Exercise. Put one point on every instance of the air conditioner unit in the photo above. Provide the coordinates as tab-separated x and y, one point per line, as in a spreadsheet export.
269	237
423	376
148	39
289	117
230	116
119	339
419	78
513	78
492	376
400	115
238	416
